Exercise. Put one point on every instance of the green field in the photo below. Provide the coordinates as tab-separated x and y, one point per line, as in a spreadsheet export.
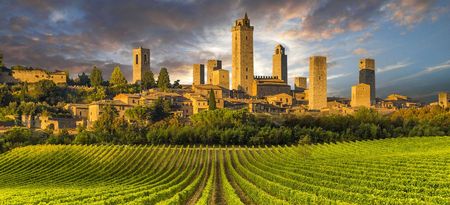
390	171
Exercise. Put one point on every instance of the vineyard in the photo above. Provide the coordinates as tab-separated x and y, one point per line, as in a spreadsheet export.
390	171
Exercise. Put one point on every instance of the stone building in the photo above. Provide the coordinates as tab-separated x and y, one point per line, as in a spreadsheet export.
443	99
317	92
300	83
367	76
78	110
268	85
360	95
397	101
130	99
221	78
141	63
279	63
96	108
34	75
56	124
212	66
280	100
242	55
198	74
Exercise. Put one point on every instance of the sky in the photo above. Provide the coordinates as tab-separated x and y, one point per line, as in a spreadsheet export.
409	39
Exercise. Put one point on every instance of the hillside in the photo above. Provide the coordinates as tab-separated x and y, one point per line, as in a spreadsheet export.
395	171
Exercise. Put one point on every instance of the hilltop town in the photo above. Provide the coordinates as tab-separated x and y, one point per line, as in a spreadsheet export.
211	88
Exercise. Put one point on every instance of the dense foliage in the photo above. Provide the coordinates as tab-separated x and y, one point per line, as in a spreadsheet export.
390	171
154	125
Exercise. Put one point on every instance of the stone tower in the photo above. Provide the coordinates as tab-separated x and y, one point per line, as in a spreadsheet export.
141	63
360	95
443	99
367	76
279	61
242	55
221	78
300	83
212	66
198	74
317	82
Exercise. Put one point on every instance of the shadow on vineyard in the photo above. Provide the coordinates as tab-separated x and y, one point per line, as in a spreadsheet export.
389	171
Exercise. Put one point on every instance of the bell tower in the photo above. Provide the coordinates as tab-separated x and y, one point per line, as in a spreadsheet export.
141	63
242	55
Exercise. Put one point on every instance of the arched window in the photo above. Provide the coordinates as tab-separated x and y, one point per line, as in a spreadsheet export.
137	59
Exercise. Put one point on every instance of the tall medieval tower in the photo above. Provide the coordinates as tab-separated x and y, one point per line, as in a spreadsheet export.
279	61
141	63
317	82
242	55
367	76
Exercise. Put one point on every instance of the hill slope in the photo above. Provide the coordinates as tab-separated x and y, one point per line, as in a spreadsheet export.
396	171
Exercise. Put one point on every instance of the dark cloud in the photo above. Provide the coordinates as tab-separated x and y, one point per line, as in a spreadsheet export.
76	35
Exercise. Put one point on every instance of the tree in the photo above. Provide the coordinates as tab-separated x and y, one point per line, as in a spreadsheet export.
5	95
117	77
46	90
163	79
104	126
83	79
148	80
99	93
176	84
212	100
159	110
96	77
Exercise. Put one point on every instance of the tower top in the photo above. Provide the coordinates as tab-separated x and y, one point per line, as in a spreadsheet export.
367	63
243	23
279	49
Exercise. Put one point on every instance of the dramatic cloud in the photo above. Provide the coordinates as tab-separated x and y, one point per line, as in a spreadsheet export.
332	77
395	66
360	52
76	35
335	17
410	12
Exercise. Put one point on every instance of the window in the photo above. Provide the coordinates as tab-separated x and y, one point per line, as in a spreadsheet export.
245	37
145	59
137	59
246	68
246	77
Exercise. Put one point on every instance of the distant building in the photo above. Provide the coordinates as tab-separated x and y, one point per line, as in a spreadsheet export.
34	75
141	63
367	76
443	99
130	99
281	100
317	91
213	65
279	61
221	78
78	110
268	85
300	83
396	101
56	124
242	55
96	108
360	95
198	74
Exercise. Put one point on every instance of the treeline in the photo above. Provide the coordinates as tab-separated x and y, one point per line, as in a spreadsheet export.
154	125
